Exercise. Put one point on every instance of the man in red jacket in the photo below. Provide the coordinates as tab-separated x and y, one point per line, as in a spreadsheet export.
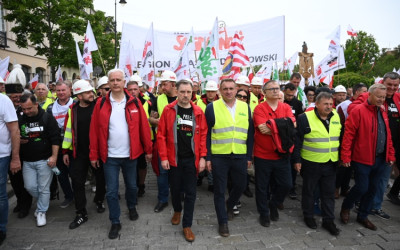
367	145
119	134
181	137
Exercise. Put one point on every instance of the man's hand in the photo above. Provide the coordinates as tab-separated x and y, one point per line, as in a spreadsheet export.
165	164
154	118
66	159
209	166
264	129
202	164
346	164
95	164
15	165
148	157
297	167
249	164
52	161
391	163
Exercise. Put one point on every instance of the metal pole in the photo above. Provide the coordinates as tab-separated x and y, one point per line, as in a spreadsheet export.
115	30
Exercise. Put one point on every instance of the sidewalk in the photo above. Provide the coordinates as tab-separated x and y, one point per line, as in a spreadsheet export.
154	230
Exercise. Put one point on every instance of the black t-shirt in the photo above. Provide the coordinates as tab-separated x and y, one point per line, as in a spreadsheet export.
184	129
296	106
394	121
154	106
83	124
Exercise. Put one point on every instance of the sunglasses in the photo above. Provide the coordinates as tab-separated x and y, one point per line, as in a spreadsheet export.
106	89
241	96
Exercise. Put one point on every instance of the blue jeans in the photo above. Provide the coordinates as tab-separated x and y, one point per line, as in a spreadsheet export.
367	180
111	174
162	184
4	164
380	192
37	179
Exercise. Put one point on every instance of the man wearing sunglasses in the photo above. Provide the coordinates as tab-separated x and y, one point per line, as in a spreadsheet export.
102	86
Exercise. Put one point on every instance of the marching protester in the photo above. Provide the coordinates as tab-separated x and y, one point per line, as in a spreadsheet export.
272	117
167	82
229	149
256	90
243	82
367	145
41	93
59	109
309	91
183	125
102	86
339	95
40	140
196	91
316	155
76	151
118	143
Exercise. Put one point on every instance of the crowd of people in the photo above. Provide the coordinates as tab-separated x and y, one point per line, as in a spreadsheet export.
55	135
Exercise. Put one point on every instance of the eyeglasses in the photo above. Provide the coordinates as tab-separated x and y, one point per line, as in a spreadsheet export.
106	89
241	96
273	89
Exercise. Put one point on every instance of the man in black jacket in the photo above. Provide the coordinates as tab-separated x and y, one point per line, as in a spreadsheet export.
40	140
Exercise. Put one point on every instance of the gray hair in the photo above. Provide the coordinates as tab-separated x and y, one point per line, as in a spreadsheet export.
67	83
115	70
40	83
269	82
376	86
183	82
323	95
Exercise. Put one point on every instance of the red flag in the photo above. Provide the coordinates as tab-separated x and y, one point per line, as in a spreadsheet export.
351	32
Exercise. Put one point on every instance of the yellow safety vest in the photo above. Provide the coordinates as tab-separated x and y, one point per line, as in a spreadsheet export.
47	103
67	142
228	136
319	145
146	110
146	97
162	102
253	102
201	104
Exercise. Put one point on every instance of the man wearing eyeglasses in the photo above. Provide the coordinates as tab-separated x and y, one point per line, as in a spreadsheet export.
229	149
268	163
102	86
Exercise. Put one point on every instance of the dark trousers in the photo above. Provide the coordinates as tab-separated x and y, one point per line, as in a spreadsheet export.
396	184
78	171
324	176
265	170
367	179
24	199
63	178
343	177
183	176
237	169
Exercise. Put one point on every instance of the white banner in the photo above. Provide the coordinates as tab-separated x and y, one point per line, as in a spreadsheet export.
264	42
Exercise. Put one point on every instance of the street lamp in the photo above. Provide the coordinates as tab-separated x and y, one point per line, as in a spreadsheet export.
122	2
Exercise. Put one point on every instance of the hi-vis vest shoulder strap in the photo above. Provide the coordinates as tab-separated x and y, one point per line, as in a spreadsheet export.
228	136
162	102
67	141
319	145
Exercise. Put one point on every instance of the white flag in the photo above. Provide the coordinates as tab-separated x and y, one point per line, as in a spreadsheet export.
89	46
4	67
148	53
127	60
265	72
59	77
334	43
351	32
330	64
34	81
292	62
81	63
92	45
182	67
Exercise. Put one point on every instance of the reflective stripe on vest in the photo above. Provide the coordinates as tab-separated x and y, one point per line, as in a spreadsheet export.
319	145
228	136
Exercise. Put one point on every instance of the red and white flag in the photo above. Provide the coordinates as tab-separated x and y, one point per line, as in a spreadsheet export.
334	43
4	67
236	59
59	77
81	63
34	81
148	54
351	32
265	72
182	67
89	46
127	60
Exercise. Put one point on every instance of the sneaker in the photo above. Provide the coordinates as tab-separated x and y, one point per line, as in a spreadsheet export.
35	213
380	214
100	207
393	198
235	210
79	220
94	189
41	219
293	194
239	204
65	203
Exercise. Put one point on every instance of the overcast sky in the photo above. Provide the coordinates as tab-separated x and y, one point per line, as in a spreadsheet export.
307	20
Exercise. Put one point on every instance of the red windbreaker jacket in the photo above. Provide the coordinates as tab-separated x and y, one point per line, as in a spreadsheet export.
138	128
167	137
359	140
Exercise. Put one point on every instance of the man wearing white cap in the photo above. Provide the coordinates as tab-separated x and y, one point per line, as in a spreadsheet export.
340	94
167	83
256	95
102	86
243	82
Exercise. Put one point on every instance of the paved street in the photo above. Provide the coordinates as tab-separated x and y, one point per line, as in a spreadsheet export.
154	231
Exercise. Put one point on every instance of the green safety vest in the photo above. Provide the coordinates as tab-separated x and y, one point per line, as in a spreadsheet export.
228	136
319	145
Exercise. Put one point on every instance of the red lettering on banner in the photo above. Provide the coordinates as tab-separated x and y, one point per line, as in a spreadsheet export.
181	41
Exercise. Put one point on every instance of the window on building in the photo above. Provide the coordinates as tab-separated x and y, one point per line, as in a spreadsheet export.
26	69
40	72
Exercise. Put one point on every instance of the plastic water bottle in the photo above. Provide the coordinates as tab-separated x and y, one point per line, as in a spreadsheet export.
56	170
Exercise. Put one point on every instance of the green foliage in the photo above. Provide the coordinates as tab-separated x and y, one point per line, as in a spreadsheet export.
386	63
349	79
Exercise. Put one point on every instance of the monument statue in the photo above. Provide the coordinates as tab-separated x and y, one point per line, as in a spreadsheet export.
306	63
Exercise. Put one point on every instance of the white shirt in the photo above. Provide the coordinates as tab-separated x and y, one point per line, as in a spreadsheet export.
7	114
118	138
231	110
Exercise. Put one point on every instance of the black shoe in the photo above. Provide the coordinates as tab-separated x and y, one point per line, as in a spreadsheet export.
79	220
264	221
100	207
160	206
141	190
2	237
211	188
114	231
310	222
133	215
248	192
231	214
331	227
223	230
273	212
293	194
23	213
17	209
199	181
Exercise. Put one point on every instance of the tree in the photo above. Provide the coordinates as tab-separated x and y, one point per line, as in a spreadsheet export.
386	62
360	53
349	79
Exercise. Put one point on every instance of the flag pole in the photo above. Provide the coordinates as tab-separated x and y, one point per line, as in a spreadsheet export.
102	62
